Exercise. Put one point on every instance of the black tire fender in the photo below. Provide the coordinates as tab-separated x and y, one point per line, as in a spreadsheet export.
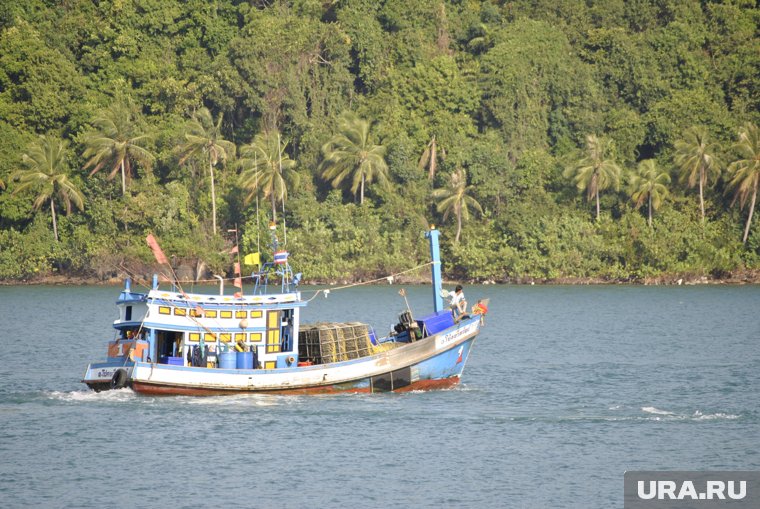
119	379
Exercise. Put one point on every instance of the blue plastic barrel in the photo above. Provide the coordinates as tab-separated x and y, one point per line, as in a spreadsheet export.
228	360
245	360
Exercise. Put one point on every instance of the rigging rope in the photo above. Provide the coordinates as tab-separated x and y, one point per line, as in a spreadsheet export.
335	288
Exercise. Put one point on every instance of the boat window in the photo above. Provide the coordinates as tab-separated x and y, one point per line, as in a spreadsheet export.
128	314
273	331
273	341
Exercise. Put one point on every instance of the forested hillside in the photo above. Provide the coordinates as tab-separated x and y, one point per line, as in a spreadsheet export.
546	138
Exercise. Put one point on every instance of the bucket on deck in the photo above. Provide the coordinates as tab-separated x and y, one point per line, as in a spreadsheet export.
244	360
228	360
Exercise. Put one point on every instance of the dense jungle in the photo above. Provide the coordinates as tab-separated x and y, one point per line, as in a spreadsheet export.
549	140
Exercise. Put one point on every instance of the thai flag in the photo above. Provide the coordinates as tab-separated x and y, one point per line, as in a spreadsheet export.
281	257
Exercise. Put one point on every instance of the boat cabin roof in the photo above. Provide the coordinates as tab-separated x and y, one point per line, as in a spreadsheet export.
207	300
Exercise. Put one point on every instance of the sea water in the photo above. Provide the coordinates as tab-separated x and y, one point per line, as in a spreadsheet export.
565	390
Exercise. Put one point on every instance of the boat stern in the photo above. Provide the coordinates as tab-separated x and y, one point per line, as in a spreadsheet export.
102	376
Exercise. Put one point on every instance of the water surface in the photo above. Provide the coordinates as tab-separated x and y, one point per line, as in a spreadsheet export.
566	389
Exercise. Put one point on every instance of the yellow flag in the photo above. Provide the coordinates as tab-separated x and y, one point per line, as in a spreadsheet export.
252	259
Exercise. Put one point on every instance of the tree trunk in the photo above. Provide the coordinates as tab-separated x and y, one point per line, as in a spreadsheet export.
597	203
433	159
123	179
274	207
213	196
55	224
459	225
751	211
701	196
650	210
361	200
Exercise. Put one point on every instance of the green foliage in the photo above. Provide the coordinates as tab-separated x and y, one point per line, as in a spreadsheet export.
267	169
535	88
597	170
45	173
352	156
113	143
649	185
204	142
506	90
40	89
456	199
697	158
745	171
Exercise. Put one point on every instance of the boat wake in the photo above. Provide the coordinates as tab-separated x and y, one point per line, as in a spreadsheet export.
621	413
656	411
88	395
237	400
696	416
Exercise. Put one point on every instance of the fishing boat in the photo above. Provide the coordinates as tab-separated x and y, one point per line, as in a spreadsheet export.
169	342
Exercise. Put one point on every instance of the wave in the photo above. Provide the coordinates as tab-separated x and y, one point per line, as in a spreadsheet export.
622	414
88	395
657	411
696	416
699	416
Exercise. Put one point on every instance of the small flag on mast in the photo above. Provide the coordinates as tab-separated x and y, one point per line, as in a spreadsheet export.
153	244
238	282
252	259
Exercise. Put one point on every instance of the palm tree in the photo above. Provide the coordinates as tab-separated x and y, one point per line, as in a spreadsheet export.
697	159
204	142
265	166
456	199
745	173
429	157
114	143
46	173
596	171
351	154
649	184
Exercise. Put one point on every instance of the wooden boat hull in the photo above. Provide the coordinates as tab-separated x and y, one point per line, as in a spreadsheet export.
435	362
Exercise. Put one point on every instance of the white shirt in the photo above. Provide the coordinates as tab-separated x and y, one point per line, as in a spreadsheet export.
456	298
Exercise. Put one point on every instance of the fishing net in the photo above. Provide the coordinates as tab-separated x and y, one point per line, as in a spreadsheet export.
323	343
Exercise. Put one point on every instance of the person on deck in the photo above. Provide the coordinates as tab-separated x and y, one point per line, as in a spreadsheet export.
458	303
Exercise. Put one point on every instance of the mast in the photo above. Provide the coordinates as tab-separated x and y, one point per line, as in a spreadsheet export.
435	258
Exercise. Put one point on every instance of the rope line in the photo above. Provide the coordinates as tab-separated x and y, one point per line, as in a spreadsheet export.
335	288
216	280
